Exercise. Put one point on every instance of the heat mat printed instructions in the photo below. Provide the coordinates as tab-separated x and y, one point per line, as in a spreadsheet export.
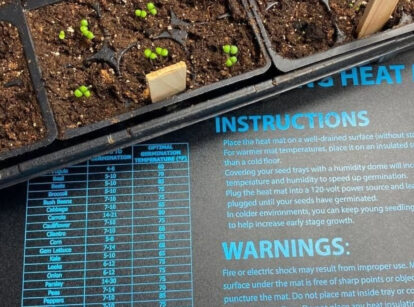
115	230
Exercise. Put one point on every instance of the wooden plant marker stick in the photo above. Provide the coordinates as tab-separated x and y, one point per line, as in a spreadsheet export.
376	15
167	82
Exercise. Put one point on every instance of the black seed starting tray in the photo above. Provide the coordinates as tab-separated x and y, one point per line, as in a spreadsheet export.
339	47
149	121
110	55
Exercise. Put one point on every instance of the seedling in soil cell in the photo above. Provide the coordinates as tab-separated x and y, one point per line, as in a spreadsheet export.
231	61
150	55
62	35
84	28
231	51
151	8
161	51
82	91
141	13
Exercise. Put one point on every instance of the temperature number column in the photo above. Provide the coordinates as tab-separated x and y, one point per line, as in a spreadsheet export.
162	274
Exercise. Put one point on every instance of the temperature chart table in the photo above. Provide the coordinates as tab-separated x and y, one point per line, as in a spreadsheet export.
115	230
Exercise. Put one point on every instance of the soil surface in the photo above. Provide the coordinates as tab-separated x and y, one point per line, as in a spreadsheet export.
298	28
209	25
348	14
3	2
20	117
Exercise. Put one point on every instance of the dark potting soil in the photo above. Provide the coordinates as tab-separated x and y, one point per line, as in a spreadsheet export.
298	28
210	24
3	2
20	116
348	14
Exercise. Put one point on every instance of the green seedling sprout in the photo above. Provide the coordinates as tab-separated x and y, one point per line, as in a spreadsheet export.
62	35
162	51
84	28
143	14
226	49
84	23
165	53
231	61
140	13
231	51
90	35
81	91
78	93
151	8
149	54
234	50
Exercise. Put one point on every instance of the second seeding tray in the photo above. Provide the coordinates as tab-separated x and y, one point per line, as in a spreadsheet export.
152	120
